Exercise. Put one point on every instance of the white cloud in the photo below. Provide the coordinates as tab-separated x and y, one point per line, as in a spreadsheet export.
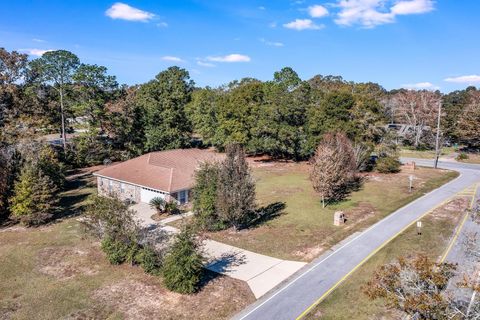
172	59
317	11
162	24
412	7
35	52
303	24
234	57
420	85
38	40
370	13
364	12
272	43
205	64
125	12
261	8
470	79
272	24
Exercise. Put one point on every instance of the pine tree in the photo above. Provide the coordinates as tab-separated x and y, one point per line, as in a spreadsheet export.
34	200
236	188
183	265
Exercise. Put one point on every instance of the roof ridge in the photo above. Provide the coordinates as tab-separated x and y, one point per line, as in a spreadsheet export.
171	178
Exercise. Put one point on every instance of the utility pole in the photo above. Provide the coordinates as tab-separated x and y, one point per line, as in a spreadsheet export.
437	140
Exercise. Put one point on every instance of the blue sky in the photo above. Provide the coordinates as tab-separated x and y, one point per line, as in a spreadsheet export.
409	43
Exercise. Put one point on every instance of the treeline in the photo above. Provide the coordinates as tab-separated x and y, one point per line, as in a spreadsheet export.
284	118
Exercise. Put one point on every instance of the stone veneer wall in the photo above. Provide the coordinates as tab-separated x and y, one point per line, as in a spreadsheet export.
129	192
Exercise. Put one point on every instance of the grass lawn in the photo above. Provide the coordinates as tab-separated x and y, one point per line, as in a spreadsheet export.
57	272
349	302
472	158
424	154
306	229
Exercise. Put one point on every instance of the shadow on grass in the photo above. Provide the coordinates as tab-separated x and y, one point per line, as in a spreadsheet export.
267	213
343	194
73	197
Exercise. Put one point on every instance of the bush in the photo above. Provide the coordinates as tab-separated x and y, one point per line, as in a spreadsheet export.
118	252
149	260
158	204
389	164
183	265
171	207
462	156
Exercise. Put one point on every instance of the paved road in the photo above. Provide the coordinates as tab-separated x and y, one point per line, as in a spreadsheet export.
318	278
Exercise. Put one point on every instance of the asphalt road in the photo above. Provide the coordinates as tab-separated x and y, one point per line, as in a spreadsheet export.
291	298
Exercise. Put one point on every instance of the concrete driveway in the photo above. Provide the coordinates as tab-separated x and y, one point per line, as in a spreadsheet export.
294	298
262	273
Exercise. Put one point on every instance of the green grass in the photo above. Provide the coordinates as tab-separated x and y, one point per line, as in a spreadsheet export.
307	227
348	300
424	154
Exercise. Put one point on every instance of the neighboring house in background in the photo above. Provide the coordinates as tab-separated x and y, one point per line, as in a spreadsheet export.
166	174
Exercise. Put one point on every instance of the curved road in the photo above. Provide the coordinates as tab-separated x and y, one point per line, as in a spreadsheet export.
292	298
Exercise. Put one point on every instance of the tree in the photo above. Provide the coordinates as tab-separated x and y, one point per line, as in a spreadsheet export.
13	71
419	110
94	88
164	100
236	188
202	113
89	148
468	128
333	167
414	286
8	170
205	197
239	109
183	264
34	200
334	113
58	68
124	123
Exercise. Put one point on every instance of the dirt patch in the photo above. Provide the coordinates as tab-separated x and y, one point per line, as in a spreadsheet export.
361	212
309	253
459	204
64	263
147	299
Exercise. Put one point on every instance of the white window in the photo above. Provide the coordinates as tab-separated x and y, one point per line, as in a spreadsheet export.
101	182
122	187
110	185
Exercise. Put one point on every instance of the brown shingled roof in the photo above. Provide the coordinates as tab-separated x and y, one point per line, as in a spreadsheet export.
168	171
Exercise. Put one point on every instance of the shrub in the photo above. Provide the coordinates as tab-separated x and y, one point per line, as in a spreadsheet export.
158	204
171	207
149	260
183	265
389	164
116	251
462	156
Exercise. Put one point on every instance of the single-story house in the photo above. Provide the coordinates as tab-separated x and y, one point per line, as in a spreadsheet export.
167	174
